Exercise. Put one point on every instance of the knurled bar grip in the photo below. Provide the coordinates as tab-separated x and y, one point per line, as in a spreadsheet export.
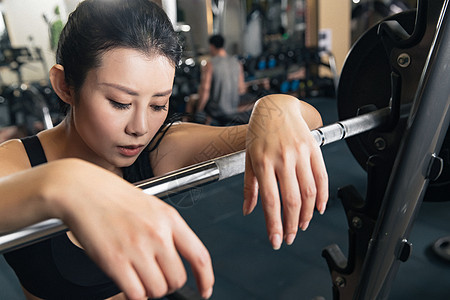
197	175
350	127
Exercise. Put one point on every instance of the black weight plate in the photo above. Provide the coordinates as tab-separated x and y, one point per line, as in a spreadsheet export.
365	80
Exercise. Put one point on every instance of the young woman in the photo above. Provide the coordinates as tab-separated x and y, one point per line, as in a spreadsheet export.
115	67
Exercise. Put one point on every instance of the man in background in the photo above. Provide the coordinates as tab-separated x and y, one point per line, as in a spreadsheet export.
221	85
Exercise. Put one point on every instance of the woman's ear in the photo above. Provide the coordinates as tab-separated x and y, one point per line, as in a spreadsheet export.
61	88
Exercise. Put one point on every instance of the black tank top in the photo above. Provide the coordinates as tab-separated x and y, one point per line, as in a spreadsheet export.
56	268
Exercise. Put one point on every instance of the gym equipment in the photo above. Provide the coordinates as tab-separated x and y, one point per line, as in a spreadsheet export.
402	157
379	69
27	103
379	225
14	58
28	106
367	13
186	82
280	61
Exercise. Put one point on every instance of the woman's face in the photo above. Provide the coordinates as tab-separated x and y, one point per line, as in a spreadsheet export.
121	106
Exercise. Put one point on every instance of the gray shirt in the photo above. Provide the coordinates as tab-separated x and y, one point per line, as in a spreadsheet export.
224	93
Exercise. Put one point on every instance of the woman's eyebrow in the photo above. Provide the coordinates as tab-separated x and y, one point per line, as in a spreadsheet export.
163	94
132	92
121	88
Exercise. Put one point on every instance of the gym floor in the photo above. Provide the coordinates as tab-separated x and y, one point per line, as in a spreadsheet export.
247	268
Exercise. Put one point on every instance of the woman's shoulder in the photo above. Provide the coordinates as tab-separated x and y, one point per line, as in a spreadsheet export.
13	157
11	147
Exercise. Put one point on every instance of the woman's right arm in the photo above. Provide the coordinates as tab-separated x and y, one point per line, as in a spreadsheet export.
135	238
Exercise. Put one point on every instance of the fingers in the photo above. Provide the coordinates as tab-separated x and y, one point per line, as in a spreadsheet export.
173	270
271	204
313	183
124	275
250	187
161	273
193	250
303	183
292	203
130	283
152	275
142	270
321	179
308	191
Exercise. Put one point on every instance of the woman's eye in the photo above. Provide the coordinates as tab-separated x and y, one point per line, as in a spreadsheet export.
119	105
159	107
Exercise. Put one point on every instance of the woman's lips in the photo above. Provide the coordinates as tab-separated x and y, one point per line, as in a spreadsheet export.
130	150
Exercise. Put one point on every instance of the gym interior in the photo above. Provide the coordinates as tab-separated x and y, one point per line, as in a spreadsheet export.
338	56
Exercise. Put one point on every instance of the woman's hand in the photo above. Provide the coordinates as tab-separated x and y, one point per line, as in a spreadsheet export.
135	238
281	149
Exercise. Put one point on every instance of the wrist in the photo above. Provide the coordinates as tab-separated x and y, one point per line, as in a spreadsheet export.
56	187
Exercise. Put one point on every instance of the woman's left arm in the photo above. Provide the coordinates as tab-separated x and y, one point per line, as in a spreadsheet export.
282	155
186	144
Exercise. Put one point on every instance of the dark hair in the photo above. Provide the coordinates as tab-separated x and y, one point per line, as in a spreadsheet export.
217	41
97	26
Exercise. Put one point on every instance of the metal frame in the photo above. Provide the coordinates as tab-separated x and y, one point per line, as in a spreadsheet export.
379	225
427	126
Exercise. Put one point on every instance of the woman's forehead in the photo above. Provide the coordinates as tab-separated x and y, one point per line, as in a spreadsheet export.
134	69
124	55
126	61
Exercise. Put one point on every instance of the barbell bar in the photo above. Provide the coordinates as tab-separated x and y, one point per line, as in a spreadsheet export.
199	174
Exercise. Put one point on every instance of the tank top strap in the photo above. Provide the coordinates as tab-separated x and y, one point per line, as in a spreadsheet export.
34	150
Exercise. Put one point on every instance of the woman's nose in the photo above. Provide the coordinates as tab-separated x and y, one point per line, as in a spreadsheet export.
137	125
